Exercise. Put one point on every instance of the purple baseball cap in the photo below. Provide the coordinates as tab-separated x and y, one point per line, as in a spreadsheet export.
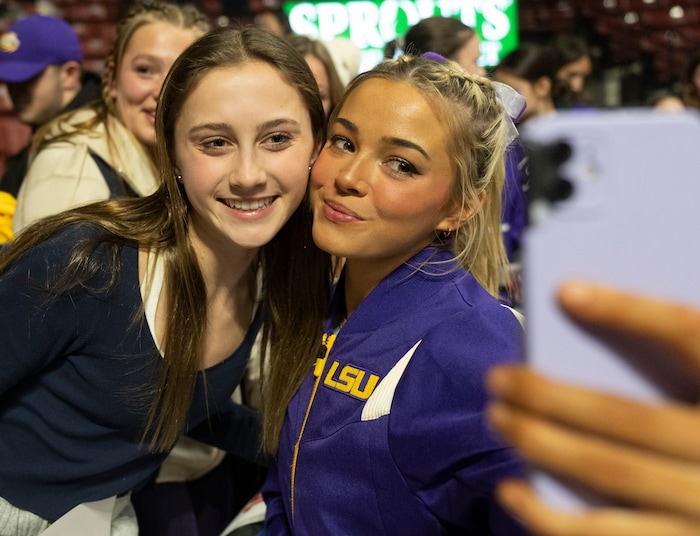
35	42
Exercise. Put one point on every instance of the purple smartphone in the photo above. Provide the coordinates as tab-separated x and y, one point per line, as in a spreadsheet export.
614	198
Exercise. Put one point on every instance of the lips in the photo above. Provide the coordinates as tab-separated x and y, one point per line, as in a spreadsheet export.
340	213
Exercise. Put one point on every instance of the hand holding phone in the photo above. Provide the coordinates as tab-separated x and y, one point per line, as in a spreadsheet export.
613	198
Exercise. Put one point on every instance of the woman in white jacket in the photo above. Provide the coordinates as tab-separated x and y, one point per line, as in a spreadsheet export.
105	149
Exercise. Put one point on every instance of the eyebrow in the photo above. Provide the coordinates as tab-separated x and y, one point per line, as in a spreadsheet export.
390	140
147	57
265	126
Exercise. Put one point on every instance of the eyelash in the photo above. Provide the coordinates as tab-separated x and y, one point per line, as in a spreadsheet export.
282	138
335	139
211	144
343	144
278	141
411	168
144	69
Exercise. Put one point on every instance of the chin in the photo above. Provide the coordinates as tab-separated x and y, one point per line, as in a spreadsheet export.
326	242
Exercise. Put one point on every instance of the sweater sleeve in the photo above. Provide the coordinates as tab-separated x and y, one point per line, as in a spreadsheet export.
37	328
61	176
234	428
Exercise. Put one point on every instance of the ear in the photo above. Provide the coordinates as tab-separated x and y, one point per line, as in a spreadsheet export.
70	75
543	86
110	79
458	216
314	155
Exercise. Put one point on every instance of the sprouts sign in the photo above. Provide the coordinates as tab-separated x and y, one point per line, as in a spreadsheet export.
370	24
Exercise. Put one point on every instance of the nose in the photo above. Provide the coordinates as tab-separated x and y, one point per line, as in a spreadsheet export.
247	172
577	82
352	178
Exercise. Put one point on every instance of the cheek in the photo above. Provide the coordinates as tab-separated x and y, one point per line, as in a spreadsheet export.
322	172
297	183
130	90
415	206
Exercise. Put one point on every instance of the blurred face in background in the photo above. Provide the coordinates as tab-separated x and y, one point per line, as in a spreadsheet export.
573	75
147	58
696	80
42	97
321	76
468	56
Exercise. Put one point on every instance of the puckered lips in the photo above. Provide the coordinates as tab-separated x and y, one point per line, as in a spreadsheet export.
339	213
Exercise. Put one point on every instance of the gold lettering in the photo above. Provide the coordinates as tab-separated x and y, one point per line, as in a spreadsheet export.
329	377
369	386
347	378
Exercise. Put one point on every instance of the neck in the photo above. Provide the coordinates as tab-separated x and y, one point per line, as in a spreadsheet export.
69	96
363	275
226	268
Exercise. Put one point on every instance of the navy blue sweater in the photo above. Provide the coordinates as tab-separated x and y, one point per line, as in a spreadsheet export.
76	379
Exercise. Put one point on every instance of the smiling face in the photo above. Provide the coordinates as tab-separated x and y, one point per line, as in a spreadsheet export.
243	146
147	58
382	184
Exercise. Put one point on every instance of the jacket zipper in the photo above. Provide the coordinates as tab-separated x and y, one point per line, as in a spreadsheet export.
326	345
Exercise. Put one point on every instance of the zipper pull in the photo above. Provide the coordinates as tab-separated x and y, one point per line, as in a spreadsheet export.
321	356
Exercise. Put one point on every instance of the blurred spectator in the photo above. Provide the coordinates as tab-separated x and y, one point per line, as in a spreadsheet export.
105	149
41	64
572	66
690	81
530	69
665	100
346	57
321	63
446	36
274	20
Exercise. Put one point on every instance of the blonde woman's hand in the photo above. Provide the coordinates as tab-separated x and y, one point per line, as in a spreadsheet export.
644	455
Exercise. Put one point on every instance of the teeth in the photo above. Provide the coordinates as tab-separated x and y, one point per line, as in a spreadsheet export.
250	205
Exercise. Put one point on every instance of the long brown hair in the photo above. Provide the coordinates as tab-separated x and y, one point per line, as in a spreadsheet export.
296	274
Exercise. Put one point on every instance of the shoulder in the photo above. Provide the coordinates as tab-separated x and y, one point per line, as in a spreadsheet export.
131	159
91	249
55	251
63	175
467	331
466	302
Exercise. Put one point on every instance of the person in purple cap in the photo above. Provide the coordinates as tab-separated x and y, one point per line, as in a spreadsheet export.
41	64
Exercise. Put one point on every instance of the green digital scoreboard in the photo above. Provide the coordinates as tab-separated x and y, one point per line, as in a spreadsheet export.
370	24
